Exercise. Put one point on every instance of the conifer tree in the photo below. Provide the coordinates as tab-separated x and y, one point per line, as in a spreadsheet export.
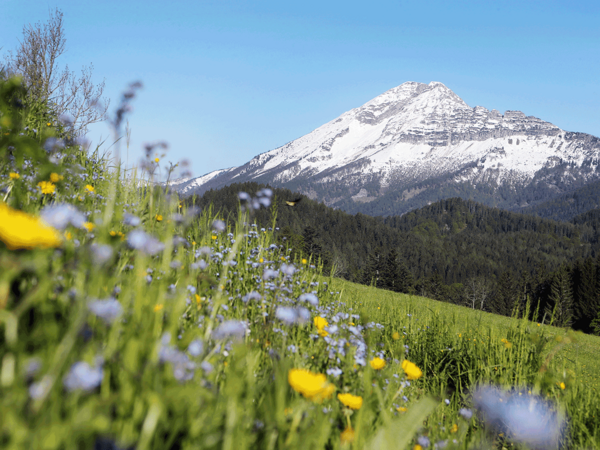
560	301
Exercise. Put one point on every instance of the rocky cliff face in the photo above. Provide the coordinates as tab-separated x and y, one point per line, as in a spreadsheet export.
418	143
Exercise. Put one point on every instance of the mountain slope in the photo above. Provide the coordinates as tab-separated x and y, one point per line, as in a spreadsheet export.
419	143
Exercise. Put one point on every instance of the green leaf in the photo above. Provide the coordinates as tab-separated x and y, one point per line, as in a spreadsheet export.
398	433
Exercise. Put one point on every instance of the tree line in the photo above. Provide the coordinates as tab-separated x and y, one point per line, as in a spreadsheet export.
454	250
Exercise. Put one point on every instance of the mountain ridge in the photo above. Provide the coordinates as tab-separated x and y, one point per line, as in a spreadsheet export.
409	145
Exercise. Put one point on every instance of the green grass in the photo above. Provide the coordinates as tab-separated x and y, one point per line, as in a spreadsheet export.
579	356
193	349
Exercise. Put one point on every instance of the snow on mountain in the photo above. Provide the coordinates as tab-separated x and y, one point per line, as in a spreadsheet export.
410	139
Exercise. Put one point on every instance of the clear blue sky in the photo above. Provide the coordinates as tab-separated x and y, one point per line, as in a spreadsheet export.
227	80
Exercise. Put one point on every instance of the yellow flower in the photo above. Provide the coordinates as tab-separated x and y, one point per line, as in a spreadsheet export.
49	124
80	198
89	226
323	333
351	401
261	260
506	343
417	447
159	218
113	233
304	261
19	230
402	409
454	428
14	176
411	370
156	160
320	322
326	393
55	178
396	336
89	188
213	238
307	383
347	436
562	385
377	363
68	235
158	307
47	187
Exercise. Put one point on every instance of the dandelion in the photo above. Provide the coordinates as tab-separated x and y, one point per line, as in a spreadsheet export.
158	218
156	160
396	336
89	226
347	436
309	384
401	409
411	370
351	401
158	307
377	363
47	187
304	261
562	386
14	176
89	188
506	343
55	178
19	230
454	428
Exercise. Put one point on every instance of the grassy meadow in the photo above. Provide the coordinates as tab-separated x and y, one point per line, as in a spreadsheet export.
129	320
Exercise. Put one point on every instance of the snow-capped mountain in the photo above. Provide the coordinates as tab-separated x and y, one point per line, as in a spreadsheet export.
418	143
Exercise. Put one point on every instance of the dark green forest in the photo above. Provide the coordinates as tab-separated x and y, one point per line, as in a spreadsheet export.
453	250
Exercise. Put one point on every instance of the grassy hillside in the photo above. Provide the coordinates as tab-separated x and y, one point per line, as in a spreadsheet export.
576	353
130	320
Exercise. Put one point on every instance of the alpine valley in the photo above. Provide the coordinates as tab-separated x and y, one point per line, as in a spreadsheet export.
418	143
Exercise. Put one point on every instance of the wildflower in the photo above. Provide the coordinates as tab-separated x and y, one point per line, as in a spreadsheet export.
396	336
131	220
307	383
101	253
466	413
320	322
401	409
19	230
528	419
83	376
411	370
230	328
55	178
562	386
108	310
158	218
89	188
14	176
347	436
195	348
62	215
334	371
310	298
506	343
158	307
454	428
89	226
377	363
351	401
289	315
47	187
218	226
142	241
304	261
423	441
156	160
